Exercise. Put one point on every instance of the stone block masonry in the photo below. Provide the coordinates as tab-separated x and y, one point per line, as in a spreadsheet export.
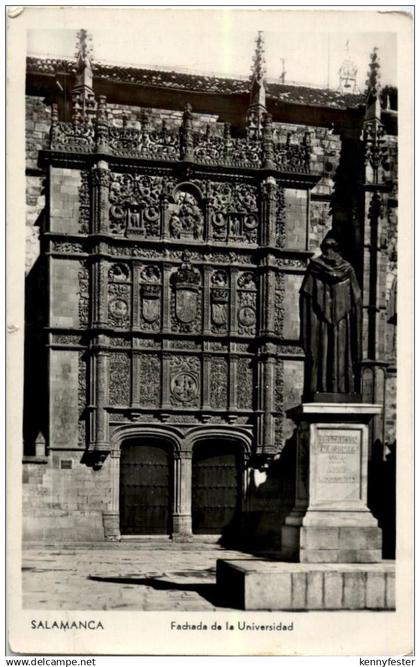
262	585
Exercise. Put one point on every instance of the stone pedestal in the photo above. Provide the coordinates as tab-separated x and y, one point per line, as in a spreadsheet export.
330	522
262	585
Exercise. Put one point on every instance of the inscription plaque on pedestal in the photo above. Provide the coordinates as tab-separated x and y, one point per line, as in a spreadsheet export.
338	463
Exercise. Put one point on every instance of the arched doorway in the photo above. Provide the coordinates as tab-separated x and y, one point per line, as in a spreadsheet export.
146	471
217	469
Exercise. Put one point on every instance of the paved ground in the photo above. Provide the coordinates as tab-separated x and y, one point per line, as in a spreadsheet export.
147	575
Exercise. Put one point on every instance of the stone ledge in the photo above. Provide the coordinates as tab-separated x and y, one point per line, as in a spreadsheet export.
264	585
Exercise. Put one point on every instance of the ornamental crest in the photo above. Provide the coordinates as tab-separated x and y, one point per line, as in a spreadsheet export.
150	304
186	282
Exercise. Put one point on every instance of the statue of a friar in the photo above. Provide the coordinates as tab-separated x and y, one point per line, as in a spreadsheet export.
330	319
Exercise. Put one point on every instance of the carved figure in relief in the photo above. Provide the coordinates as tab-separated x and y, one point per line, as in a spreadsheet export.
330	317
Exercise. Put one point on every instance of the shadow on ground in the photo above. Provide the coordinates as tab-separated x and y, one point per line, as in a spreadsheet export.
207	591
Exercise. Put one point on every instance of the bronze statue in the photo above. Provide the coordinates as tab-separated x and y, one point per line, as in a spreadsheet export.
330	319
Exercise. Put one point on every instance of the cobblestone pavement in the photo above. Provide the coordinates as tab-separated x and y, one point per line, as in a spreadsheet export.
144	575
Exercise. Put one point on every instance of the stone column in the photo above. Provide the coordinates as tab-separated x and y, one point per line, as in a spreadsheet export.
111	517
101	435
181	517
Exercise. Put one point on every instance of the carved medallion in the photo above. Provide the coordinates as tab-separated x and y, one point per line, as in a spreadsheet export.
247	316
184	387
118	308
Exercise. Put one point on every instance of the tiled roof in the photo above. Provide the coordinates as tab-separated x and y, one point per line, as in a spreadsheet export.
294	94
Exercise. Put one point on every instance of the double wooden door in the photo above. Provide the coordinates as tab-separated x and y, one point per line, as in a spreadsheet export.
146	487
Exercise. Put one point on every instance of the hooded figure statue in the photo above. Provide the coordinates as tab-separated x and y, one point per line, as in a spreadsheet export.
330	324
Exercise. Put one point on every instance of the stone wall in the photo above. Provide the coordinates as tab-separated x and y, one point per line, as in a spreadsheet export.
63	500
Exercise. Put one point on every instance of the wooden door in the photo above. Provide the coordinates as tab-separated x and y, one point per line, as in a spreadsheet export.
216	487
146	489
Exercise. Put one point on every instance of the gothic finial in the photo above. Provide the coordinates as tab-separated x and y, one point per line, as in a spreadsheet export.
84	75
83	98
258	72
373	102
257	107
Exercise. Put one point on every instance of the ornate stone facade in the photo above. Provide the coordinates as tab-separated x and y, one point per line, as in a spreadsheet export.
174	272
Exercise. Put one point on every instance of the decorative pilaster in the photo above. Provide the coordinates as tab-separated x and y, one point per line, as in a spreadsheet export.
101	183
181	517
266	407
267	142
186	135
101	432
269	192
374	273
102	126
100	291
111	517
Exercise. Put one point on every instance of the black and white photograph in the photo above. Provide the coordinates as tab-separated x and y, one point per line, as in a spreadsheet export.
206	259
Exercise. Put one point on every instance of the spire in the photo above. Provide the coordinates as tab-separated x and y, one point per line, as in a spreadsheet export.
84	75
347	74
258	73
257	108
373	101
83	97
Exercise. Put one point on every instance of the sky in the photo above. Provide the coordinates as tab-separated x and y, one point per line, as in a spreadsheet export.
223	42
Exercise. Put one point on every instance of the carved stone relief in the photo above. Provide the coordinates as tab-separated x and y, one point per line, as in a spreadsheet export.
150	298
149	380
186	219
245	382
218	383
83	295
119	378
135	204
119	296
233	212
219	297
186	306
185	381
247	304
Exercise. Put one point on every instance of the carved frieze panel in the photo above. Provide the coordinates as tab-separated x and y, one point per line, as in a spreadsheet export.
119	378
149	380
184	345
84	202
219	301
215	346
186	298
247	303
119	296
233	212
280	218
72	137
186	217
83	294
218	383
245	383
185	381
150	298
82	398
279	304
119	341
